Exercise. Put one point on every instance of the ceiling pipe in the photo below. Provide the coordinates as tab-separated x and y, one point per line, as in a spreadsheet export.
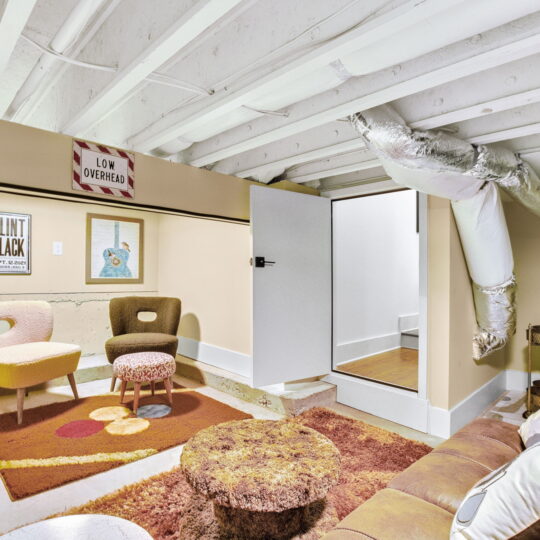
68	33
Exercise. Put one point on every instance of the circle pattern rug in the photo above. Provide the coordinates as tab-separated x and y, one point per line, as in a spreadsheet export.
153	411
67	441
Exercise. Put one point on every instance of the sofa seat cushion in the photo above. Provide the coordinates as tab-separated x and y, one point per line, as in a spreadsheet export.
140	342
28	364
440	479
392	514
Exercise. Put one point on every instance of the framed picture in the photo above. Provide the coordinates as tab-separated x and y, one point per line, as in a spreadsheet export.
15	233
114	249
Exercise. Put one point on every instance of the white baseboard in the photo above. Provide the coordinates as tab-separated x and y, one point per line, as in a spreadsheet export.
518	380
444	423
408	322
216	356
354	350
394	404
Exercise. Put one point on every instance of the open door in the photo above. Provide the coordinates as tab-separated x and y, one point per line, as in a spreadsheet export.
292	285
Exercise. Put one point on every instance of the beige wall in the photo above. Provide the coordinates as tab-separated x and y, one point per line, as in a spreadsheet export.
452	373
80	310
206	264
524	230
40	159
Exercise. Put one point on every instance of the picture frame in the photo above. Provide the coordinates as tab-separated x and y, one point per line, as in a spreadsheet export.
15	244
114	249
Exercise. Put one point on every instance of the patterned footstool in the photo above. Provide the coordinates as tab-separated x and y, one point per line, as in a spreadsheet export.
141	368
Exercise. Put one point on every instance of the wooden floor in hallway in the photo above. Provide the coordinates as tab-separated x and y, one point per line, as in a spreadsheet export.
398	367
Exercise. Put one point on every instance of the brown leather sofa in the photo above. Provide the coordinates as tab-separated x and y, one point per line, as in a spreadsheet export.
420	502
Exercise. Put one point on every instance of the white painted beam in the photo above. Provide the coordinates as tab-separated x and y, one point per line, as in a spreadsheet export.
505	134
195	21
192	117
74	23
14	18
457	61
332	168
339	148
480	109
26	109
333	171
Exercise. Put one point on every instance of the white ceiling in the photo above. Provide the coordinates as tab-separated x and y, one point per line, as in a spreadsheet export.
261	88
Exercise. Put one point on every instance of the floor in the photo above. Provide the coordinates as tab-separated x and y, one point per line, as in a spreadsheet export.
17	513
398	367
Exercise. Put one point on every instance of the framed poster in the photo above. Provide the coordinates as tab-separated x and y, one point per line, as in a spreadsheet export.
114	249
102	169
15	232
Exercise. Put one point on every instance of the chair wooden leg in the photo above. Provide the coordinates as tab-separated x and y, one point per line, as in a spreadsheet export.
168	387
73	384
136	397
113	383
122	390
20	403
153	386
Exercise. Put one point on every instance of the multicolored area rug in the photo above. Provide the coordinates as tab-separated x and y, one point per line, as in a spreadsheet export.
370	458
66	441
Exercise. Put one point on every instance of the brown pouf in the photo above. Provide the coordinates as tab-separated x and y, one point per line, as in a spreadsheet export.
266	479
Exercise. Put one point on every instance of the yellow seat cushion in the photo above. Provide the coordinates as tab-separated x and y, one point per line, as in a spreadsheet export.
28	364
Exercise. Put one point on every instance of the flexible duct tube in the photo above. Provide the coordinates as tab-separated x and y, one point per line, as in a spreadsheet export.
439	164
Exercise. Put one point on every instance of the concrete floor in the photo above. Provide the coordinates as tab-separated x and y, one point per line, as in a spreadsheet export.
17	513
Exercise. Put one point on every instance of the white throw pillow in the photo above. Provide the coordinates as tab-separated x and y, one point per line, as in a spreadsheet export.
502	504
530	430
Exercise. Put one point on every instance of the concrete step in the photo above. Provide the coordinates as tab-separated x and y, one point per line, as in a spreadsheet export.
289	399
409	339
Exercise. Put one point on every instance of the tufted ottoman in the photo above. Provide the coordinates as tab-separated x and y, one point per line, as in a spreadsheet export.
144	367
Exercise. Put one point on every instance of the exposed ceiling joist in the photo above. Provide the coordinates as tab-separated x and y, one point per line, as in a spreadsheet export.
25	110
70	30
299	178
339	148
195	21
505	134
480	109
12	23
334	167
459	60
180	122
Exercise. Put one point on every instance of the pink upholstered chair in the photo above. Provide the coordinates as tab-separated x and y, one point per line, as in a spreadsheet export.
27	357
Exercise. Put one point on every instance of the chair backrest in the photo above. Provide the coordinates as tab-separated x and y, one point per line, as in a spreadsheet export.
124	314
30	321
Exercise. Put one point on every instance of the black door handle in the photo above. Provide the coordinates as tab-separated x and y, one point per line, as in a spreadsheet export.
261	262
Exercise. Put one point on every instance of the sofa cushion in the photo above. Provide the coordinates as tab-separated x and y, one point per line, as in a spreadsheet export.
28	364
488	428
440	479
530	430
392	514
505	503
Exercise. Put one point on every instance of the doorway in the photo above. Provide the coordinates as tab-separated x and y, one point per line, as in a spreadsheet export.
375	244
379	297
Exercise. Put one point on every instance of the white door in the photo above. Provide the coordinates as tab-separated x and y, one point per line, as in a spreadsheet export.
292	308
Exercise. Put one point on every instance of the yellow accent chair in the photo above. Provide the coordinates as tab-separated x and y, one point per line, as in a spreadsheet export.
27	357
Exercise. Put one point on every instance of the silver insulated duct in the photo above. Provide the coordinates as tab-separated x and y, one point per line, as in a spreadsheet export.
439	164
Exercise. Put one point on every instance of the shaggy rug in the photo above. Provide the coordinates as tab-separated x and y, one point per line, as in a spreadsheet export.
67	441
370	458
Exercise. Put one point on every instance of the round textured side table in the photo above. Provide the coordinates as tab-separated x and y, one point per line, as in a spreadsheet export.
266	479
